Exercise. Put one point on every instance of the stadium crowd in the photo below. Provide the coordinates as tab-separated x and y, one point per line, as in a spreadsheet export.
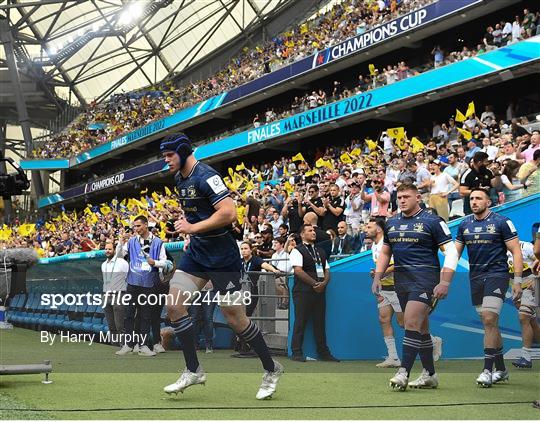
125	112
328	186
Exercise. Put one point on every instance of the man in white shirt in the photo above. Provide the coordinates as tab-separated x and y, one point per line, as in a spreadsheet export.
114	270
353	209
281	261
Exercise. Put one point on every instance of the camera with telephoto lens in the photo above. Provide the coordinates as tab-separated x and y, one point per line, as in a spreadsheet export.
15	183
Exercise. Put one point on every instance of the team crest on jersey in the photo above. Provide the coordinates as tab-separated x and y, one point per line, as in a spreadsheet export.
192	193
419	227
491	228
477	236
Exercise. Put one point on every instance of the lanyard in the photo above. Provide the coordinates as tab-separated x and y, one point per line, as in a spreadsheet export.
316	257
245	267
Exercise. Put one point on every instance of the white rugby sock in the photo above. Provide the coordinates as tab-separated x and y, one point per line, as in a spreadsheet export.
391	346
526	353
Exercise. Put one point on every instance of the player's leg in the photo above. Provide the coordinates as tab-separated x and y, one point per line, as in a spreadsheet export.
528	322
232	301
385	320
428	377
235	315
182	288
414	316
490	307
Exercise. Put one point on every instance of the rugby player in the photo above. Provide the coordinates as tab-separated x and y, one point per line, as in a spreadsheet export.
530	329
488	236
414	238
212	254
388	302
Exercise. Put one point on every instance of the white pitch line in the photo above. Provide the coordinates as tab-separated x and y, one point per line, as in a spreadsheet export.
475	330
489	64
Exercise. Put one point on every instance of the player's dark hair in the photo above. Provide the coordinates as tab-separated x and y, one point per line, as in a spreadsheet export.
141	218
479	189
381	222
407	186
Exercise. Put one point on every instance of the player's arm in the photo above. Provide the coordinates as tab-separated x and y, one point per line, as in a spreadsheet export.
514	248
382	265
451	258
225	214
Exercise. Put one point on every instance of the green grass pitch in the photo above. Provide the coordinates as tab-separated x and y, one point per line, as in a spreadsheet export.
90	382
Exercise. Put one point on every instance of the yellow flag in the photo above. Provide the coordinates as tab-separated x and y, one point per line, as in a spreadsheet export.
371	144
320	163
65	217
286	171
240	167
356	152
238	180
27	229
144	191
371	68
396	132
470	109
329	164
155	197
105	209
298	157
304	28
400	144
345	158
288	187
310	173
465	133
231	172
172	203
259	177
167	191
416	145
249	185
459	116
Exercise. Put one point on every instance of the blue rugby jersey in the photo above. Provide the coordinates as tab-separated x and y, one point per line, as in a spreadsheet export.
415	243
198	194
485	240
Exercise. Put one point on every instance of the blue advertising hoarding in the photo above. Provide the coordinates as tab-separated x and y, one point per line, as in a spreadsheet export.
396	27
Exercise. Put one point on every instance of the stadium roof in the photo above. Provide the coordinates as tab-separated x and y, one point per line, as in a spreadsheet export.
98	47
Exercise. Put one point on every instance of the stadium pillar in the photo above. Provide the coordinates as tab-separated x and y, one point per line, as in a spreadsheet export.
8	210
7	41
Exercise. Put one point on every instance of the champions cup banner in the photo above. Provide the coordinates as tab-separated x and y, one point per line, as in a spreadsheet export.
105	183
486	64
398	26
408	22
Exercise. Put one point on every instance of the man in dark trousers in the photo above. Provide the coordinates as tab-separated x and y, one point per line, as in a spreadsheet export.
311	276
